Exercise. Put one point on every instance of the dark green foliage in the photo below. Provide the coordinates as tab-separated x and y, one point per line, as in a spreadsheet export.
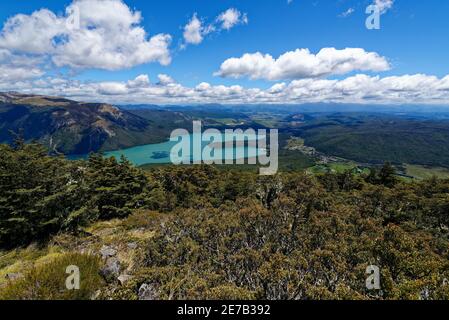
385	176
42	195
345	181
197	187
115	188
378	138
37	193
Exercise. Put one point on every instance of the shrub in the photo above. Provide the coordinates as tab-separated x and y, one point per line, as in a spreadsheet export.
48	281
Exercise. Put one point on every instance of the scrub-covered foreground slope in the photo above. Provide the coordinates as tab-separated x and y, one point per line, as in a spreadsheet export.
203	233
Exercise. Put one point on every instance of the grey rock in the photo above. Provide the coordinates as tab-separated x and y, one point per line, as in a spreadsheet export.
13	276
124	278
107	252
132	245
148	292
425	294
111	268
96	295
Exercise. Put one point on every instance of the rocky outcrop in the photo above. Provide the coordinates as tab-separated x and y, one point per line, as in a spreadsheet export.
107	252
13	276
148	292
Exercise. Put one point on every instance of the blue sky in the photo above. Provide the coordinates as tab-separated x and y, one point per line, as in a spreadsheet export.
412	40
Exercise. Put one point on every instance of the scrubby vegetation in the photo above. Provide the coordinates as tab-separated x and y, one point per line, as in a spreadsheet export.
203	233
48	281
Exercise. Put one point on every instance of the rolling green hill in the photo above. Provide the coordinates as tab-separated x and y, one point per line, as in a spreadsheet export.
379	138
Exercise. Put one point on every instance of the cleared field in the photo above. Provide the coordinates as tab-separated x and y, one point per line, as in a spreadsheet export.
423	172
337	167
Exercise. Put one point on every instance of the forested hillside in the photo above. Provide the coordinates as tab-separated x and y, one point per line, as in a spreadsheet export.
202	233
71	127
371	138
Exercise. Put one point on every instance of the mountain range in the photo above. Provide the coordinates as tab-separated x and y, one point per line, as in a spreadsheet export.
71	127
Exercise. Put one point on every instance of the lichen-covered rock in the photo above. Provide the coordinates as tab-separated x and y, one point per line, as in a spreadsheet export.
132	245
148	292
124	278
111	269
13	276
107	252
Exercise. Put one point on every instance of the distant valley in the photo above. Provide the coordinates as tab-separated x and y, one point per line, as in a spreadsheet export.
416	142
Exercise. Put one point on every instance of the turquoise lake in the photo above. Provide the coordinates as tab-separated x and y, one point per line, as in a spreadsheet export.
160	153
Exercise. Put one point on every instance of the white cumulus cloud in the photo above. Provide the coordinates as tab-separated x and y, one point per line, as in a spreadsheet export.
103	34
140	81
193	31
384	5
360	88
112	88
196	29
231	18
16	68
165	79
301	63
